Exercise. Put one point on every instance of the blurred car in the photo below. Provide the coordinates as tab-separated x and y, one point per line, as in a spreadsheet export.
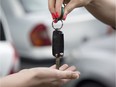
96	62
30	26
9	59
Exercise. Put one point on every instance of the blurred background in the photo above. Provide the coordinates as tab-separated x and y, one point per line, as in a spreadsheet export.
26	39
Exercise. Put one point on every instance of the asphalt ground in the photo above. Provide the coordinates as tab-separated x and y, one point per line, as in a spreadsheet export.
27	63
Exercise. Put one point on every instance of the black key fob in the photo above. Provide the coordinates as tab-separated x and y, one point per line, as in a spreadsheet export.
57	43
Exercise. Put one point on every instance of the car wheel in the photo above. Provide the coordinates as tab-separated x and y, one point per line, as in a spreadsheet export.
90	83
2	33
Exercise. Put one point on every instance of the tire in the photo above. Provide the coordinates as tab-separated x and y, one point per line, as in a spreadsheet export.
2	33
90	83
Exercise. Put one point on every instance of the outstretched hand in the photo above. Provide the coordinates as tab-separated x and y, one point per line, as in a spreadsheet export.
41	77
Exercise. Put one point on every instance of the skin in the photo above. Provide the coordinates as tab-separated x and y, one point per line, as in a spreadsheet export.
103	10
41	77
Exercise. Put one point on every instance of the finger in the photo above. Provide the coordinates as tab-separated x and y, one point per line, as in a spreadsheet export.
63	67
68	8
73	4
58	7
53	67
67	75
67	80
51	6
72	68
54	74
66	1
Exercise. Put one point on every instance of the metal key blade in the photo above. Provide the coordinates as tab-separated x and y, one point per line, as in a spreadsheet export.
57	62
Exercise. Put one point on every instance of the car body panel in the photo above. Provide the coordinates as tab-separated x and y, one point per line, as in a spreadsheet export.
6	58
9	61
95	60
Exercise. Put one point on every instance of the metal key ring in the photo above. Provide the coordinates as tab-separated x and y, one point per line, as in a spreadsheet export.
59	27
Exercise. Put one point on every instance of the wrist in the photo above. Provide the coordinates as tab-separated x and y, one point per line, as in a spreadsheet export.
11	81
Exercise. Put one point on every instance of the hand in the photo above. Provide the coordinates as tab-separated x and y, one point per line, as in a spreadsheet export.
104	10
55	6
41	77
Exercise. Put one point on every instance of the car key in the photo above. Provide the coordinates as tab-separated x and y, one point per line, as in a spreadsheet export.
58	46
58	41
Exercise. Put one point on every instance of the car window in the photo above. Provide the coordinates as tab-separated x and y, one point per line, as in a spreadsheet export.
2	33
34	5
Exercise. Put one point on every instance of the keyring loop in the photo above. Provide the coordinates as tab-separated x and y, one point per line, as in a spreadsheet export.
59	27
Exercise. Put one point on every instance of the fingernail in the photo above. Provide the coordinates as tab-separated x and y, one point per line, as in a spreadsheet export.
53	16
64	17
74	76
57	15
55	21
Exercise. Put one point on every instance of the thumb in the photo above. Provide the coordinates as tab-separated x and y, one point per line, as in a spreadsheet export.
67	75
73	4
69	7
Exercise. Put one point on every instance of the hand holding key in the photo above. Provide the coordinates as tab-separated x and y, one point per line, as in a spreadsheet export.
103	10
55	6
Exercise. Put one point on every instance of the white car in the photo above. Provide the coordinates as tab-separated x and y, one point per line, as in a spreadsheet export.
96	62
30	26
9	59
9	62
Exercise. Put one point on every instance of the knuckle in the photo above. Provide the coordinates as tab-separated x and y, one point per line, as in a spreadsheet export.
66	64
69	74
84	2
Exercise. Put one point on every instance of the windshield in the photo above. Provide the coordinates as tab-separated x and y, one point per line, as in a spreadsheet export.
34	5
